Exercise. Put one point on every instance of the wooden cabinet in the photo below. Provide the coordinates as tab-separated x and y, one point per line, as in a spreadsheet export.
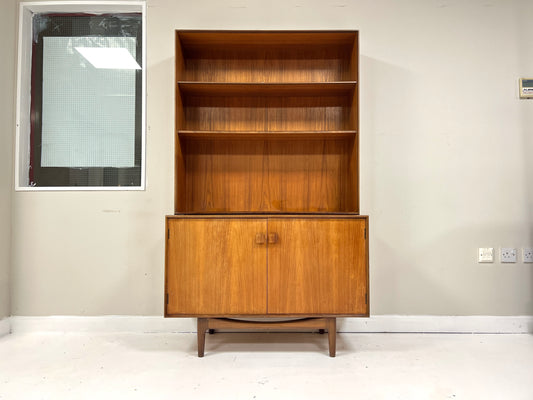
255	266
266	219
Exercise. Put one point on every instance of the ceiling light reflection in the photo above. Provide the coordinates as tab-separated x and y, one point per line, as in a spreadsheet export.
109	57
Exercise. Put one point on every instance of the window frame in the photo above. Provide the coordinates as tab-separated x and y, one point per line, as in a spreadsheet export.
24	64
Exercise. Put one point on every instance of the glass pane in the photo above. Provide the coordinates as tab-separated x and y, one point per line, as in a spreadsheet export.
88	112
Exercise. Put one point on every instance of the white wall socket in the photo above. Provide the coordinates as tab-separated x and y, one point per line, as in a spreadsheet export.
507	255
527	255
485	255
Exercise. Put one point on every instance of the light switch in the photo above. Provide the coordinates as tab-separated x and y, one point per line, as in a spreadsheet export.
486	254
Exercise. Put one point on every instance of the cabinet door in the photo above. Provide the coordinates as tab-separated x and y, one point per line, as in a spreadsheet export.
216	266
317	266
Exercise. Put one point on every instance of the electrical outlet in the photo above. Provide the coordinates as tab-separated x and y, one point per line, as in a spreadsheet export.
508	255
527	255
485	255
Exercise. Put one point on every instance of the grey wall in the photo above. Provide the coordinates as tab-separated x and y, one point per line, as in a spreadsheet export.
446	163
7	104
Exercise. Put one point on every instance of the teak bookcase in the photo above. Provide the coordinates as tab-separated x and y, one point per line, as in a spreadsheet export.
266	221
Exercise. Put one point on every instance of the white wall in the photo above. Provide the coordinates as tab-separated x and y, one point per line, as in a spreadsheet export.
7	87
444	164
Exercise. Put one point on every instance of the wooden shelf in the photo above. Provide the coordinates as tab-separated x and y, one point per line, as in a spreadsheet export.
319	135
296	89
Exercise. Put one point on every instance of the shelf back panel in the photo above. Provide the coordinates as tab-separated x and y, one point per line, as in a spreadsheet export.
268	175
267	113
267	56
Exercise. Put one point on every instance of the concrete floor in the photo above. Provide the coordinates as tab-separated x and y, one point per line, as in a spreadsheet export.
266	366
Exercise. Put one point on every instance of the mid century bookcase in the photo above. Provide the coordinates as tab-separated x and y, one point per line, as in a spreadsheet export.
266	221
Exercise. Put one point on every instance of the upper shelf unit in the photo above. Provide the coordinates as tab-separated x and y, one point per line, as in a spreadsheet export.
269	57
266	122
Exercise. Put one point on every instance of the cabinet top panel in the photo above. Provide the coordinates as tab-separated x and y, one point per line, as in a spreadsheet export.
339	215
261	38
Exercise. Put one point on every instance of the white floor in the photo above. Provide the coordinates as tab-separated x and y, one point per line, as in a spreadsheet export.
266	366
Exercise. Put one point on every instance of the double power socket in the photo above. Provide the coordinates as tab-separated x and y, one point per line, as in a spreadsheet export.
507	255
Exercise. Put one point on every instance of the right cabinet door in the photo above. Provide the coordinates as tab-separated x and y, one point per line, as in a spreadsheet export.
317	266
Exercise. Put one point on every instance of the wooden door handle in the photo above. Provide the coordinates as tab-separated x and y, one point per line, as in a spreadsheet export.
273	238
260	238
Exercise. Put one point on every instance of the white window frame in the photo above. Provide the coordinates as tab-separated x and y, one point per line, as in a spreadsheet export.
23	127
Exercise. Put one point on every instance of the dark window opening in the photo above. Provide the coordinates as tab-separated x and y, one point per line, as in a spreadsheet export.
95	141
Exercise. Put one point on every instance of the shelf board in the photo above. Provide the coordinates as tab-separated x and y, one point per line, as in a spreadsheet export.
265	135
339	88
273	214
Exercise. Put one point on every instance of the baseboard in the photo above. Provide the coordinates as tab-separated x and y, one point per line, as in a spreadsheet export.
439	324
374	324
5	326
103	324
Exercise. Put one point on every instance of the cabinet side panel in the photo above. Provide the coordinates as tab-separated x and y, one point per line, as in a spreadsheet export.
352	183
179	123
317	266
215	266
179	175
180	60
354	58
354	124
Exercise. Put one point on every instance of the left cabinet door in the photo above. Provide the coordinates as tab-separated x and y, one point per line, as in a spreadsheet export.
216	266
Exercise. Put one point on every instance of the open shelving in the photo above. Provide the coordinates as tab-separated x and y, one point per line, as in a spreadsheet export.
266	122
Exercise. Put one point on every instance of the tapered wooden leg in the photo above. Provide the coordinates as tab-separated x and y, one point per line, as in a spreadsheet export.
201	328
332	335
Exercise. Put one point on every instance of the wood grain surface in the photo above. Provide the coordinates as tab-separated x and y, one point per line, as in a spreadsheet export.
273	175
214	266
318	266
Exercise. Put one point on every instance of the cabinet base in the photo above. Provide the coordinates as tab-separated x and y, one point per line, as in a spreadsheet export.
320	324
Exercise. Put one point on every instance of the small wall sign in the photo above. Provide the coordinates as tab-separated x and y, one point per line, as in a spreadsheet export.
526	88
